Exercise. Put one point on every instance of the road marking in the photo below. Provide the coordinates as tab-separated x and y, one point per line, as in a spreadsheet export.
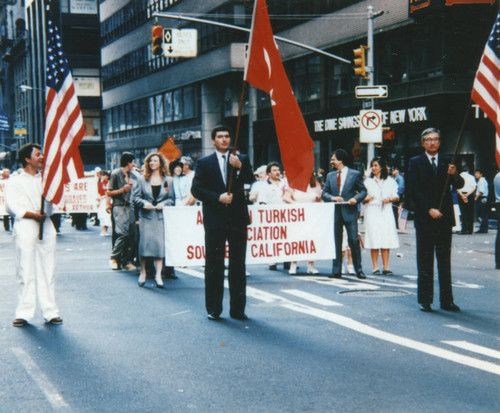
365	329
459	327
179	313
485	351
312	297
50	391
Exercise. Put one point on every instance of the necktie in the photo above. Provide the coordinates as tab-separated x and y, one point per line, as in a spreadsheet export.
434	166
224	169
339	181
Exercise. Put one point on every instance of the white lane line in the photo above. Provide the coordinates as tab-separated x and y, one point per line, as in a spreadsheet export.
312	297
50	391
485	351
366	329
459	327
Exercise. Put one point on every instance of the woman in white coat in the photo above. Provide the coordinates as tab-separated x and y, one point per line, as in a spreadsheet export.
380	225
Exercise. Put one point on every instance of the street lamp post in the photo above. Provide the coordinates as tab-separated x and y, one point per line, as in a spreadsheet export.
29	118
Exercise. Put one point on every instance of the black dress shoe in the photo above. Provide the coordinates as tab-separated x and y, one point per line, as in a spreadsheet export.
170	276
273	267
239	316
450	307
335	276
213	316
481	232
426	308
361	275
19	322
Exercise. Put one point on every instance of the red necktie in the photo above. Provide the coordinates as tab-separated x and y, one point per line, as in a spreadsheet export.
338	181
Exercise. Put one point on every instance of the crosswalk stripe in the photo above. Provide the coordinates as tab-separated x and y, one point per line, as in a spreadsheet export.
485	351
312	298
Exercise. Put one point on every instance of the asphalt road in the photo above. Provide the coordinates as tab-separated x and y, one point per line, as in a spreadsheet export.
312	344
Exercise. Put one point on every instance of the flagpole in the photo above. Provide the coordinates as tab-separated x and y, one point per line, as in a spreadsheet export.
237	135
457	145
42	210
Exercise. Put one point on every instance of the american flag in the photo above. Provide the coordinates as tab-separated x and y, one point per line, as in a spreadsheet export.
64	128
402	217
485	91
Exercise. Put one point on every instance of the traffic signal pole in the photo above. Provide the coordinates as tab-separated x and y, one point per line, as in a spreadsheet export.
370	150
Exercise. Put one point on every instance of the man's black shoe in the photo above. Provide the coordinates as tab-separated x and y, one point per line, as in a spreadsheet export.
450	307
335	276
19	322
239	316
361	275
426	308
481	232
213	316
171	276
273	267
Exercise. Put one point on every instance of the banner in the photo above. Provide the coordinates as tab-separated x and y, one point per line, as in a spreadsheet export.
3	211
288	232
79	196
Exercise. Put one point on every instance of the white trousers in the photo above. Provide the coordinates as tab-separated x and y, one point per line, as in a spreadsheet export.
35	262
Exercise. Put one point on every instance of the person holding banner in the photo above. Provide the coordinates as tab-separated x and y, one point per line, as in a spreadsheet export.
35	258
152	193
345	187
102	203
380	225
294	196
219	184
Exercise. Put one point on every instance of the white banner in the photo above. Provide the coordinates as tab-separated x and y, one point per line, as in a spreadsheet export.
79	196
289	232
3	211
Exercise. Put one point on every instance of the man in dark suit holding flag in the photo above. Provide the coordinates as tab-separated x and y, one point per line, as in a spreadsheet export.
434	218
218	183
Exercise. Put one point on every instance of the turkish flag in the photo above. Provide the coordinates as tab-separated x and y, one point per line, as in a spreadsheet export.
264	70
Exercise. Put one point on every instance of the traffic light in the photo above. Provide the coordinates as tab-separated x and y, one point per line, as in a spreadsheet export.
157	40
360	62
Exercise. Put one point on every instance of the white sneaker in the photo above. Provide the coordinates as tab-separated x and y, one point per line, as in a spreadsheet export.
342	271
311	269
293	268
113	264
350	269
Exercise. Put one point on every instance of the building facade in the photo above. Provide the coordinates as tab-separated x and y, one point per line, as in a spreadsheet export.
78	22
427	53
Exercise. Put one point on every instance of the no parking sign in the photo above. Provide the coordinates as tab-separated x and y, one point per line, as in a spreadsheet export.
370	126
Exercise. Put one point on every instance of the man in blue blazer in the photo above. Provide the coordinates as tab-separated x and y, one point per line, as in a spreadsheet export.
345	185
427	179
225	217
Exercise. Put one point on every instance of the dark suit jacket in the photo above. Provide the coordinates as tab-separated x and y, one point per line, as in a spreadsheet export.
426	189
208	185
353	188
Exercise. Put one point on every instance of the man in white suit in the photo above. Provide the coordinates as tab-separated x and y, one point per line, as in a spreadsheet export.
35	259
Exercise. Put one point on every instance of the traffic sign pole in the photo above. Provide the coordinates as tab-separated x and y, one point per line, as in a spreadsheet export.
370	153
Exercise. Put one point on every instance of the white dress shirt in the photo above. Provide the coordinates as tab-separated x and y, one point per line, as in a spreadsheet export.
23	193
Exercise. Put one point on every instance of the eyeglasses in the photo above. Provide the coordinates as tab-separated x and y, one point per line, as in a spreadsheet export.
431	140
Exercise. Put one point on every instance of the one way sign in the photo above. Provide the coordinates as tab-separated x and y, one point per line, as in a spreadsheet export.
370	92
180	42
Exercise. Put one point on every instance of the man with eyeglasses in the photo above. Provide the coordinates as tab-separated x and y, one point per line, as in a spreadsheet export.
434	218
